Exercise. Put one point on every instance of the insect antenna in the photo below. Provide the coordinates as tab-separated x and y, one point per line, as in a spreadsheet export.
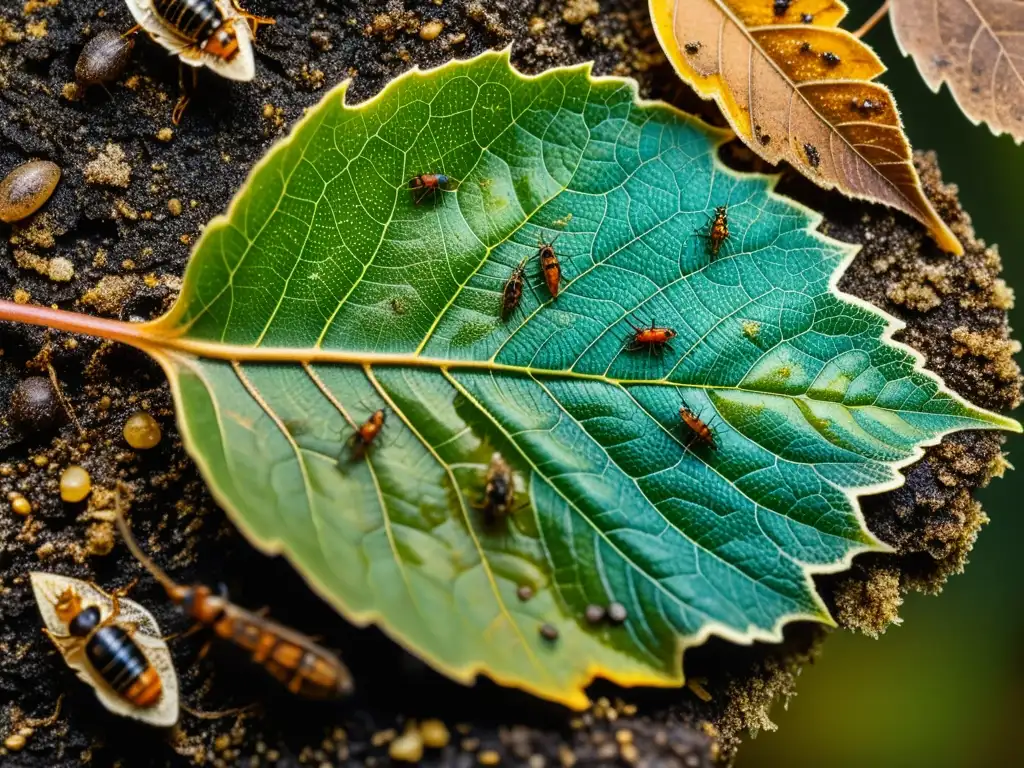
170	585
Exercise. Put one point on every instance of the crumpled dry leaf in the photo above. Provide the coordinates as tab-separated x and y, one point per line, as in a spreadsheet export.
797	88
976	47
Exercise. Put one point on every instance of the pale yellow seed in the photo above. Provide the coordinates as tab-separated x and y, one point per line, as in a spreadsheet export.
141	431
15	742
75	484
407	748
431	29
489	757
21	505
435	734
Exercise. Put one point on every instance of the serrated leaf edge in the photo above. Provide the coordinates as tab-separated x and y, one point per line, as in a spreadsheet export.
166	349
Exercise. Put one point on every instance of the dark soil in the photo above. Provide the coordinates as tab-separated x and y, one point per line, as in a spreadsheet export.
128	244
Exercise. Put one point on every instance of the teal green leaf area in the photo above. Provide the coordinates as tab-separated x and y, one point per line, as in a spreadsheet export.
331	290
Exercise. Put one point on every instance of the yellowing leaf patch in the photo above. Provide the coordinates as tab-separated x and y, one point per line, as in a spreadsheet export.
797	88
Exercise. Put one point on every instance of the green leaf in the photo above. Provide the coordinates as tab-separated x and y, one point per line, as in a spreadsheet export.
326	293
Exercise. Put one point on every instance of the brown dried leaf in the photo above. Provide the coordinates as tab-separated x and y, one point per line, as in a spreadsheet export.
797	88
976	47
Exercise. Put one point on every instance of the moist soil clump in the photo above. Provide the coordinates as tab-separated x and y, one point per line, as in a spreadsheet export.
134	196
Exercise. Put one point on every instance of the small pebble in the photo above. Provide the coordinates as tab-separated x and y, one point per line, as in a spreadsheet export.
524	593
34	404
75	484
435	734
594	614
549	632
617	613
407	748
103	58
20	504
26	189
141	431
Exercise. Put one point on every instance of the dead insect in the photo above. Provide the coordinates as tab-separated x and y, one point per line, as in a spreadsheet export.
830	58
655	338
367	433
779	7
512	293
812	155
114	645
701	432
103	58
500	490
213	33
428	184
718	228
550	266
693	47
303	667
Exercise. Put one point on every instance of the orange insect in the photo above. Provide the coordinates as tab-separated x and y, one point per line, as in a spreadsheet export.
654	338
428	184
303	667
512	293
367	433
111	650
718	230
701	432
550	266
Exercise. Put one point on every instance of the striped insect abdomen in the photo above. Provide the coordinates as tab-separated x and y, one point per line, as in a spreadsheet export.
194	20
122	664
303	668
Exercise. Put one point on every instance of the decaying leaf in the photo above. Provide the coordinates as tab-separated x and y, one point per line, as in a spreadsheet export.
797	88
976	47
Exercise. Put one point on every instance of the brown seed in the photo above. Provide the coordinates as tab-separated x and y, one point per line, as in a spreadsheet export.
26	189
34	404
141	431
524	593
617	613
75	484
103	58
549	632
594	613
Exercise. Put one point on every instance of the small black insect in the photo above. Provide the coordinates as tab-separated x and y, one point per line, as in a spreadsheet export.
781	6
513	290
812	155
806	18
692	47
830	58
805	47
